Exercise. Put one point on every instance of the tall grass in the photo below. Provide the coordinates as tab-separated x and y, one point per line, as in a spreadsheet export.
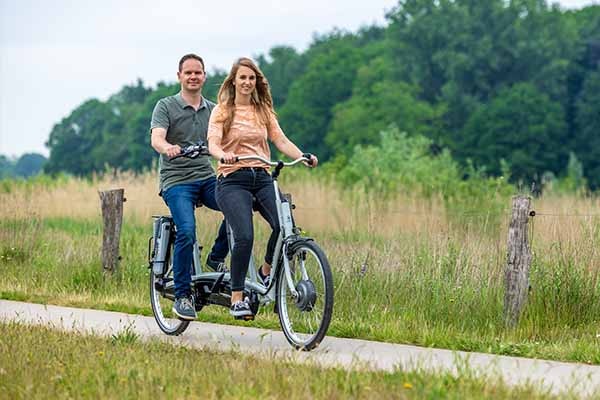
406	269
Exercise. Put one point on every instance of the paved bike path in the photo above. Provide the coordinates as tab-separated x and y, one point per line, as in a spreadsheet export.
349	353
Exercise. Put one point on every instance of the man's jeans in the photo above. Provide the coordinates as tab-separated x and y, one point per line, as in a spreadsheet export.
181	200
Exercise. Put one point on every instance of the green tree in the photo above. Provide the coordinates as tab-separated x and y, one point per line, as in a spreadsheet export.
332	64
582	75
587	137
377	102
282	66
522	126
73	140
130	94
462	53
211	86
6	167
29	164
126	134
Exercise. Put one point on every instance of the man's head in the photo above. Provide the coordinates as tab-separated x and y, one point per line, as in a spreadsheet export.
191	74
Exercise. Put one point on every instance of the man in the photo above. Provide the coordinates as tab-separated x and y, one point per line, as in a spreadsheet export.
178	121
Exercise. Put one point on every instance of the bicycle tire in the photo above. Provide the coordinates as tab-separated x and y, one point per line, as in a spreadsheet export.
315	302
159	301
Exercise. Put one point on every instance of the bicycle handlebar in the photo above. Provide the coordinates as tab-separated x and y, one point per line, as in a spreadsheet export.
196	150
305	157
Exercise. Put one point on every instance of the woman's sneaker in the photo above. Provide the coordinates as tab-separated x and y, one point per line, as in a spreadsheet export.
216	265
265	279
184	308
241	310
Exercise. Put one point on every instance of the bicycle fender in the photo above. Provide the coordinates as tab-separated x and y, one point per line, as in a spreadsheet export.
294	244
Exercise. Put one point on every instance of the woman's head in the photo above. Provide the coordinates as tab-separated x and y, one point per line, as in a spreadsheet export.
242	75
245	78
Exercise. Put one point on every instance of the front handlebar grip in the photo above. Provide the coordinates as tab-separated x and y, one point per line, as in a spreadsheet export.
309	157
223	160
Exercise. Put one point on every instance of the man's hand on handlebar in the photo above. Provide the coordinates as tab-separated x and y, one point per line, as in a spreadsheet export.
172	150
191	151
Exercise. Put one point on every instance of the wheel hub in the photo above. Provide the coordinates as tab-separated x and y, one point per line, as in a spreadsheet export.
307	295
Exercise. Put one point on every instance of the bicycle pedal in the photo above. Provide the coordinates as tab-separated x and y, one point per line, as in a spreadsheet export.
246	317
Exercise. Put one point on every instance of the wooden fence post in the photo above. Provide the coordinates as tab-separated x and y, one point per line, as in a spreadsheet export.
518	261
112	215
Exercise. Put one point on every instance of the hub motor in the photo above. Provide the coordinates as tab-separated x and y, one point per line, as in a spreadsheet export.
307	295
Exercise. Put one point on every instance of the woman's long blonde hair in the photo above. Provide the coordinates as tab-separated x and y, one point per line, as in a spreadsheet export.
261	96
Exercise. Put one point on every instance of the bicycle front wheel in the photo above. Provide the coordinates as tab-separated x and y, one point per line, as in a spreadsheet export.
162	297
305	318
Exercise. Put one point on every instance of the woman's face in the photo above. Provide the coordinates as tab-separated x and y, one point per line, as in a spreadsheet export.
245	81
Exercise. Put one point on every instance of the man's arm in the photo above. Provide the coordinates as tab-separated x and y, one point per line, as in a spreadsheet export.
158	140
158	131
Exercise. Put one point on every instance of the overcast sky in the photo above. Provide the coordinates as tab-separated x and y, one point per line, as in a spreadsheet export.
56	54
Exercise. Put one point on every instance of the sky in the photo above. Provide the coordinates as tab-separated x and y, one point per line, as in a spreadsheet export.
56	54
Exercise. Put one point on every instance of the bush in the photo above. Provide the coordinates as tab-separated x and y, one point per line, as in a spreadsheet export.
407	164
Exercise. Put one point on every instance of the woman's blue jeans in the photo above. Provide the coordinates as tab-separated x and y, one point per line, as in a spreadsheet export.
181	200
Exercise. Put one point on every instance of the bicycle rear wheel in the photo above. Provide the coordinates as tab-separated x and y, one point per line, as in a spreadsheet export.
305	319
162	297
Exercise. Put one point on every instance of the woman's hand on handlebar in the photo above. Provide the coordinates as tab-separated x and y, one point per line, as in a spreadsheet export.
313	160
229	158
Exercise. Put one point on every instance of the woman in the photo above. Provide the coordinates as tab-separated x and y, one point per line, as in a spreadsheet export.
240	125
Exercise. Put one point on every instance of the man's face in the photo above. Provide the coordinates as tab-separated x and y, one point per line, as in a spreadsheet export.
191	76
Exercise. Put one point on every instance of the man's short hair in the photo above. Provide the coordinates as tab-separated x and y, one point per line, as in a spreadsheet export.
188	57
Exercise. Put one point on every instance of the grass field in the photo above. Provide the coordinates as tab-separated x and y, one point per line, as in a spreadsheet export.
39	363
406	269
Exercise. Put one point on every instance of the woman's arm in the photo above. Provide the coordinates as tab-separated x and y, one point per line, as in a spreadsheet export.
287	147
215	137
215	150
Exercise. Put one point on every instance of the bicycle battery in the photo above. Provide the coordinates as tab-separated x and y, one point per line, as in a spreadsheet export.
160	240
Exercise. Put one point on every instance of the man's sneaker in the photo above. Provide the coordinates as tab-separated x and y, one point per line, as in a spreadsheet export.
184	308
218	266
265	279
241	310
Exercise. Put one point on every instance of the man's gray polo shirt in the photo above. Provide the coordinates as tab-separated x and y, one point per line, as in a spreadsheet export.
185	127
